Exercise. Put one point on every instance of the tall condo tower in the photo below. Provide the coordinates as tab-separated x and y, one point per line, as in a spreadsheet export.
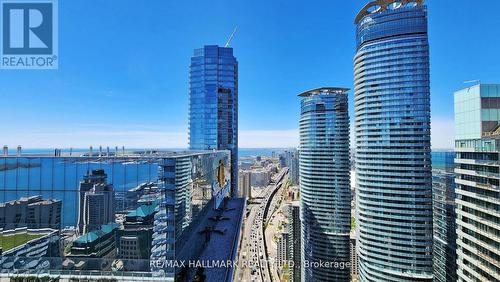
393	154
477	166
213	104
325	195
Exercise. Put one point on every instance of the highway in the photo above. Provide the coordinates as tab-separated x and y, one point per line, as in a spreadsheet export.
270	207
274	217
252	256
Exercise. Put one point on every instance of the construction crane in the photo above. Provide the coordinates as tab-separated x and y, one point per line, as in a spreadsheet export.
231	37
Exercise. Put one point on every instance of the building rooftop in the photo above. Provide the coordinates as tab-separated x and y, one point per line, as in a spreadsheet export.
94	235
143	211
379	6
222	227
31	200
476	85
324	90
226	51
230	240
45	202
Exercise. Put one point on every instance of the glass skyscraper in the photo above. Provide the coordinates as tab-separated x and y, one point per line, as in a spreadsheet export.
55	220
213	104
393	156
325	195
477	145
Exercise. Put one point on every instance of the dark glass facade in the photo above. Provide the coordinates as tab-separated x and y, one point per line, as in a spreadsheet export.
213	103
444	216
393	155
125	215
445	233
325	195
294	241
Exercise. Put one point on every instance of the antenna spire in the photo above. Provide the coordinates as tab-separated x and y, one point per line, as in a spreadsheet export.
231	37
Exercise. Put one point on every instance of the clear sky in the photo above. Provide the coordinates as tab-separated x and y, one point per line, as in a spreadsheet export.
123	69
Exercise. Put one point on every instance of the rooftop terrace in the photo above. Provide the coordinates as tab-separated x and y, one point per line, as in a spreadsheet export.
8	242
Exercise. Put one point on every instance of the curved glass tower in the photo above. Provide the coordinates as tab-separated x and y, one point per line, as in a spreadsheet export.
325	201
393	155
213	104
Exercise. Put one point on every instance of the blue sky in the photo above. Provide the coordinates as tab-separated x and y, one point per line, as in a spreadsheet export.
123	69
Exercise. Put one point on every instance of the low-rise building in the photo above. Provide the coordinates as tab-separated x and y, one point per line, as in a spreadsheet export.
96	250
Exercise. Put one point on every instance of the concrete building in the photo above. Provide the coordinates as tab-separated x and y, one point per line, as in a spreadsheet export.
477	147
244	184
45	214
393	142
33	212
325	197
